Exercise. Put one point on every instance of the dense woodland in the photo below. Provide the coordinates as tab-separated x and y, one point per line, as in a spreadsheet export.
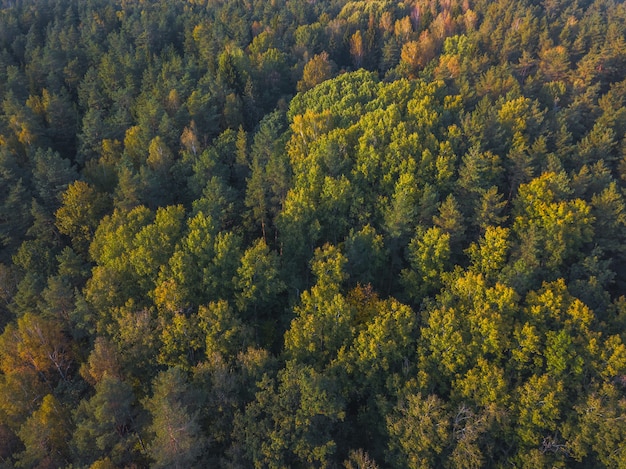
306	233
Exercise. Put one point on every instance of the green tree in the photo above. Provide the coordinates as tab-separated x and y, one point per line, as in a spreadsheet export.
429	256
181	340
80	212
51	177
366	256
270	174
226	385
113	280
204	263
609	212
489	254
258	280
154	244
489	210
45	436
324	318
292	420
14	204
176	440
470	319
451	221
374	363
106	424
402	211
601	429
226	334
539	409
557	227
419	428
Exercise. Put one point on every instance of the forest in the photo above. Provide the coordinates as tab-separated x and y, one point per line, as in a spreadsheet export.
356	234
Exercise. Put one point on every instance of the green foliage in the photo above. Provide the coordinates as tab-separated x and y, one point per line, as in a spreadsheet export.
345	96
292	420
324	317
105	424
225	333
14	213
202	266
366	256
307	234
258	279
176	438
45	436
419	428
80	212
429	253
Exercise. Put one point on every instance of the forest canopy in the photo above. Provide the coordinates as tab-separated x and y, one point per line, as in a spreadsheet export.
358	234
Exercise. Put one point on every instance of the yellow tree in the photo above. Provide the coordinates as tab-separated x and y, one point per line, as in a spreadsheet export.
80	212
316	70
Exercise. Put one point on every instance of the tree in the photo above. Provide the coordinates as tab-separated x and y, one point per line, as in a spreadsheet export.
554	63
8	287
72	269
479	172
37	345
539	409
258	280
80	212
383	341
226	385
181	340
377	359
489	210
21	390
609	211
429	256
417	54
316	70
366	256
270	175
469	320
128	193
402	211
176	440
137	332
106	424
10	444
103	361
489	254
601	428
450	220
557	227
14	204
61	120
419	428
359	459
357	49
473	432
113	280
154	244
51	176
292	419
324	318
204	263
45	436
57	299
226	334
